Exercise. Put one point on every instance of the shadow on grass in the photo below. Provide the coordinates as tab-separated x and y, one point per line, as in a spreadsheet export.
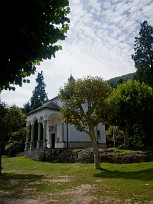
16	185
144	175
20	176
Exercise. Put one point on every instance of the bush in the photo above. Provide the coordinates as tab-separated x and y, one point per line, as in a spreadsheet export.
13	148
16	143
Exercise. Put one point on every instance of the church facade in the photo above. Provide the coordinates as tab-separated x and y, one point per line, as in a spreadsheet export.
47	130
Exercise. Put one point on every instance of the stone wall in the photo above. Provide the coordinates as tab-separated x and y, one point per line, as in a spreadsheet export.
113	156
52	155
86	156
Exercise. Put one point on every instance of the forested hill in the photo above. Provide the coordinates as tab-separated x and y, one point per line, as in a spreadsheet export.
119	80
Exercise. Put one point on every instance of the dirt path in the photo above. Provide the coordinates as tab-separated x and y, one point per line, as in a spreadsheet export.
77	195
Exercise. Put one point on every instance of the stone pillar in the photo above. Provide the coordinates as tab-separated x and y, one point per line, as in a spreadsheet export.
62	132
32	136
45	134
56	134
27	137
38	141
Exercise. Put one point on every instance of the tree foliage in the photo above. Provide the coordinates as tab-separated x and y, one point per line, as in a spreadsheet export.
30	30
143	56
16	142
14	119
12	126
2	128
3	108
15	123
26	107
82	98
39	93
131	104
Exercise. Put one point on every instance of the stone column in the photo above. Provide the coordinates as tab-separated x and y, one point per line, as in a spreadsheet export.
32	136
44	134
27	137
56	133
38	141
62	132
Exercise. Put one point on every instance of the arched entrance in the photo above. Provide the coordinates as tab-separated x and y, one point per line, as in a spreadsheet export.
52	140
35	137
53	124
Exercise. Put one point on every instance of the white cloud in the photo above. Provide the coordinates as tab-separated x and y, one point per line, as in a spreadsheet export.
99	43
95	5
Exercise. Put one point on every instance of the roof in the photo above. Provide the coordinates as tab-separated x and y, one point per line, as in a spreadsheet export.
50	105
47	105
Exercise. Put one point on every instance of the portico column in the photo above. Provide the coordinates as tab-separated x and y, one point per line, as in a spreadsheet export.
56	133
62	132
32	136
44	134
38	141
27	137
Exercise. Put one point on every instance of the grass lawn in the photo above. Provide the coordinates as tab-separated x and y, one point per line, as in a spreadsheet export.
26	180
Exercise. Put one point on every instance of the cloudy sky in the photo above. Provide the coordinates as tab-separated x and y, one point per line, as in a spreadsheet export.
99	43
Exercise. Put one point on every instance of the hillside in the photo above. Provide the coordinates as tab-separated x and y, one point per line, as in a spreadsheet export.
119	80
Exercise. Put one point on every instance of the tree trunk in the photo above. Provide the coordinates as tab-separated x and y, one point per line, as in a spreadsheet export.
95	149
0	162
126	137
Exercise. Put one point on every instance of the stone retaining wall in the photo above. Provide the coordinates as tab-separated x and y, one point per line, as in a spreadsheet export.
52	155
86	156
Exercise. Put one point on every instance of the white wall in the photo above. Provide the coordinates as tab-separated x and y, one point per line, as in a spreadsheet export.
75	136
57	101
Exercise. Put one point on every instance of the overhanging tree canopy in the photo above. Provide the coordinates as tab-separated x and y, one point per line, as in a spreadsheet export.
29	31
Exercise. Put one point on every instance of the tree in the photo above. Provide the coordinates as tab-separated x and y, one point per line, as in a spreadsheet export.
26	107
14	118
16	130
30	30
12	125
16	142
82	98
131	104
2	128
143	56
39	93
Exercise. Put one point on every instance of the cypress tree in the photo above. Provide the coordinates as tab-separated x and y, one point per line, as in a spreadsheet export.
143	56
39	93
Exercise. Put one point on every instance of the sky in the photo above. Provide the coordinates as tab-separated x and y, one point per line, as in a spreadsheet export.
100	42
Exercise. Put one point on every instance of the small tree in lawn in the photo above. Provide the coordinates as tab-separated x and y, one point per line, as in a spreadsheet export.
39	93
82	98
143	56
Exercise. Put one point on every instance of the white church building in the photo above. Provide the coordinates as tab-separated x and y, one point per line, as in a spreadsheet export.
47	130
